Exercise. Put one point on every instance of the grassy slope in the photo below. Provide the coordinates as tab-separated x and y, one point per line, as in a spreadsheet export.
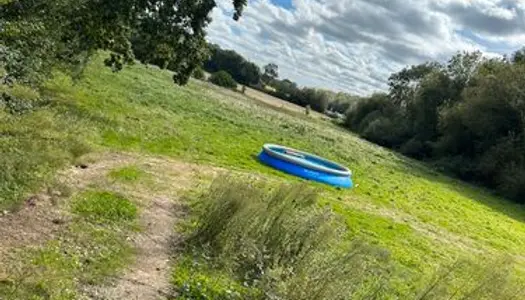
424	219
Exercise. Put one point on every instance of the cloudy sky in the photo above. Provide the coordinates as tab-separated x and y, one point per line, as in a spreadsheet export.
353	45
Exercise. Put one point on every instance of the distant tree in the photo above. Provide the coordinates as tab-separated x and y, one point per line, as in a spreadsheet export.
403	83
342	102
461	68
286	89
467	117
519	56
271	72
243	71
224	79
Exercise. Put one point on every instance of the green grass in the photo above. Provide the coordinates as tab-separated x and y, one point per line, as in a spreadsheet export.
279	245
194	278
104	207
128	174
426	220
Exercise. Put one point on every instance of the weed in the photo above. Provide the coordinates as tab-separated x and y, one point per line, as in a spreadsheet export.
489	280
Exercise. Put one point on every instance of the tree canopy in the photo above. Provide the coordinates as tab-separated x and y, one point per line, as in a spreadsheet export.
242	70
39	35
467	117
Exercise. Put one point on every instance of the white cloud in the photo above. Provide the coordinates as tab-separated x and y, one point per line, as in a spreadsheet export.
354	45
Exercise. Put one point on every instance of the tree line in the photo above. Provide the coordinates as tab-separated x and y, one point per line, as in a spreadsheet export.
267	80
466	117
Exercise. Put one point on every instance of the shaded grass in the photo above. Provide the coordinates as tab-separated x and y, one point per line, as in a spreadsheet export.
33	145
92	248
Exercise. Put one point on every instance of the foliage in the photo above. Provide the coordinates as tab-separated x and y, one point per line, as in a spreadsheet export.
198	73
249	74
467	117
519	56
39	35
242	70
224	79
271	73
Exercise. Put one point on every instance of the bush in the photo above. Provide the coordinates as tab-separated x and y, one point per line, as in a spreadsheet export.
224	79
513	183
413	148
198	73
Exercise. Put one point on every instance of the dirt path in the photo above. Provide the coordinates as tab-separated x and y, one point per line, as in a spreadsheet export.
45	215
161	209
148	278
41	217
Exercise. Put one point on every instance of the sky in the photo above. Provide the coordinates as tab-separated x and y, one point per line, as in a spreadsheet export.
354	45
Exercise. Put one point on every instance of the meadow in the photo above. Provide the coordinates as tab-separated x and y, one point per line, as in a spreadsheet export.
425	221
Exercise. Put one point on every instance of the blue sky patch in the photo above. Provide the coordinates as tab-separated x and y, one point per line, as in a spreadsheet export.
498	47
287	4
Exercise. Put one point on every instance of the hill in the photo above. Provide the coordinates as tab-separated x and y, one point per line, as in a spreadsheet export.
137	125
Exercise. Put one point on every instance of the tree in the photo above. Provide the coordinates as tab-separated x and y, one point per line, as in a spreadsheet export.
519	56
403	84
242	70
38	35
467	117
461	68
271	72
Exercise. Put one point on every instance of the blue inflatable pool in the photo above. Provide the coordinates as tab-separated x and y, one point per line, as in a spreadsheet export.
306	165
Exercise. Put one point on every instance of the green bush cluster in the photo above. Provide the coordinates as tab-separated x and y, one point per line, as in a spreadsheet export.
224	79
466	117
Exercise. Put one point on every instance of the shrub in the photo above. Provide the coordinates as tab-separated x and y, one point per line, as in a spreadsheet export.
224	79
413	148
513	183
198	73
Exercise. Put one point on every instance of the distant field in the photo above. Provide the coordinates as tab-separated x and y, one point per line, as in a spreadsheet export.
279	103
424	219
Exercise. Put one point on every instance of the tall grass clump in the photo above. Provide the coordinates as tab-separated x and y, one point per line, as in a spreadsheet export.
280	244
489	279
251	240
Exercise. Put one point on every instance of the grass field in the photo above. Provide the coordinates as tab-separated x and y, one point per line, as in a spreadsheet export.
424	219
